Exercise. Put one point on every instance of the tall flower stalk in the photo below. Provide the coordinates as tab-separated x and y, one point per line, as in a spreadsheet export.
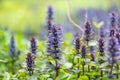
113	43
77	47
87	35
101	48
54	39
13	53
101	51
112	53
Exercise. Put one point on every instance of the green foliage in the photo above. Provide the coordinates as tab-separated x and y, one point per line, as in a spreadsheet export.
42	71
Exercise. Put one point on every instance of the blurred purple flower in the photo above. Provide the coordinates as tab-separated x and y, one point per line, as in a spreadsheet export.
113	20
49	19
112	32
102	32
118	37
12	47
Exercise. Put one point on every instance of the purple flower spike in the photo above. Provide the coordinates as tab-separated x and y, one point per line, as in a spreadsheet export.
112	32
30	63
118	37
12	47
77	45
33	45
88	31
49	19
54	41
101	46
113	20
112	49
83	51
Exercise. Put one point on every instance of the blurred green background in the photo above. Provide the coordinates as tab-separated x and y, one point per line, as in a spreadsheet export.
18	15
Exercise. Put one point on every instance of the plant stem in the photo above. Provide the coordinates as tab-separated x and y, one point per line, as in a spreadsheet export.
117	66
56	69
88	65
88	68
89	71
13	65
83	68
111	69
101	74
87	43
56	65
78	68
73	61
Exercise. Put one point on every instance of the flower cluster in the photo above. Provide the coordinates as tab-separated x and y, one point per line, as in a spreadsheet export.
87	31
83	51
101	46
12	47
30	63
113	20
54	41
33	45
112	49
119	27
102	32
49	19
118	37
112	32
77	45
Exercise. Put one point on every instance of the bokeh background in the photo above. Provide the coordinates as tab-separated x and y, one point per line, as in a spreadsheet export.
29	16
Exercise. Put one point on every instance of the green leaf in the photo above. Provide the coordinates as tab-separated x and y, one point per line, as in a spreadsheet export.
103	65
83	78
98	25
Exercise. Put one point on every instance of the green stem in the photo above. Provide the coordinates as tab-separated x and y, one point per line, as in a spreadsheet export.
88	65
78	68
56	66
117	66
83	68
56	69
89	71
13	65
101	74
88	68
111	69
73	61
87	43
